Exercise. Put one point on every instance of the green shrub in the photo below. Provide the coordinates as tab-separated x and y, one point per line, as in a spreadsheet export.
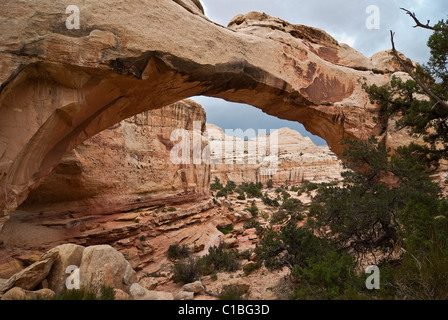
290	246
216	185
285	195
214	276
251	268
245	254
327	278
253	209
222	193
279	189
175	251
230	186
270	202
188	270
241	197
307	187
279	217
231	292
251	189
105	293
227	229
252	223
423	275
222	259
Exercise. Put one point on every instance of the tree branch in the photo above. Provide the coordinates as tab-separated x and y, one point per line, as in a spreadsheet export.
421	84
418	23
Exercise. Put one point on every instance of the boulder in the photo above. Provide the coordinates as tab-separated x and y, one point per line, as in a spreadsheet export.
121	295
195	287
140	293
184	295
229	243
242	285
102	265
149	283
68	255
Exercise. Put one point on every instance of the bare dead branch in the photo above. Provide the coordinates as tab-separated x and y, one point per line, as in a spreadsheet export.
418	23
420	84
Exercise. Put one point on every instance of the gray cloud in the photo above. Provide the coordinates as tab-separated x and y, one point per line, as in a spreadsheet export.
228	115
346	18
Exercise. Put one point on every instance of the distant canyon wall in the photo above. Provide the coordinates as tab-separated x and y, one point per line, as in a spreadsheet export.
294	159
127	166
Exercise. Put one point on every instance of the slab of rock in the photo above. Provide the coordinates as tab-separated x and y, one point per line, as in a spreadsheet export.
242	285
32	275
128	217
184	295
229	243
18	293
139	293
121	295
10	268
149	283
195	287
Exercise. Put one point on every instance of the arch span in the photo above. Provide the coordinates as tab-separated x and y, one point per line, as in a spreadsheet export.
60	87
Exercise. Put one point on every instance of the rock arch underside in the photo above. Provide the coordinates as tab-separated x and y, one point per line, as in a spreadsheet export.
59	87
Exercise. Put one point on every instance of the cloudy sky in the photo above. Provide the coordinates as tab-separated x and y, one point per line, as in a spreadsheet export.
345	20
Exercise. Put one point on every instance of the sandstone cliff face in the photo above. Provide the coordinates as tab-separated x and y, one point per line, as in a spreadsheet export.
62	86
126	167
293	159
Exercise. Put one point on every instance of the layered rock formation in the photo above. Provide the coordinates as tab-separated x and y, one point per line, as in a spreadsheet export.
293	158
60	86
127	166
121	187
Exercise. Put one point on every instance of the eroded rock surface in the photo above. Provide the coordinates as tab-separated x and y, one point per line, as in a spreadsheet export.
294	158
62	86
126	167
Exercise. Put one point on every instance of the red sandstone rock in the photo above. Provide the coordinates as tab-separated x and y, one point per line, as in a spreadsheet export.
60	87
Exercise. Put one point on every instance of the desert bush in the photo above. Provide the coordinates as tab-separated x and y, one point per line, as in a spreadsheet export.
188	270
227	229
216	185
176	251
232	292
241	196
105	293
253	209
222	259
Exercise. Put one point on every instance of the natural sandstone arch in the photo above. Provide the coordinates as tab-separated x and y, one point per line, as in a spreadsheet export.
60	87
